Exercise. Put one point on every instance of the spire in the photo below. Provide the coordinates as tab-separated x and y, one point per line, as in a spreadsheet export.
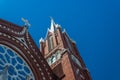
53	25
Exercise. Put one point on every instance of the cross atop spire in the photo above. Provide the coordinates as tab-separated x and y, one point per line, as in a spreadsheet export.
27	24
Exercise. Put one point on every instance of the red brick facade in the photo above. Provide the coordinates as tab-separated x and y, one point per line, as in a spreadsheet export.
18	39
57	59
63	58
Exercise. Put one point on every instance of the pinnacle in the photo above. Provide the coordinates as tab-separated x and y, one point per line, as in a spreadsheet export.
41	40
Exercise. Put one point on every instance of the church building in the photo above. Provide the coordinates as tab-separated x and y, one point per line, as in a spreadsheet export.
57	58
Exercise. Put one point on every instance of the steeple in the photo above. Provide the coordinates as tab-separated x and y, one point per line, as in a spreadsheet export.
60	51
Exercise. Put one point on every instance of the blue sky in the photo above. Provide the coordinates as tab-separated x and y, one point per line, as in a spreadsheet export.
93	24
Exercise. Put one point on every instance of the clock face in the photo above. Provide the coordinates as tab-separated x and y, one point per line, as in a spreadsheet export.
12	66
52	59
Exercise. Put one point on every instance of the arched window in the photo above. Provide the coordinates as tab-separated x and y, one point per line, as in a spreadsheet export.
50	43
12	65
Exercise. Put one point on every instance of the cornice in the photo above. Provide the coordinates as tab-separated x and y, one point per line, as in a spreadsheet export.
13	29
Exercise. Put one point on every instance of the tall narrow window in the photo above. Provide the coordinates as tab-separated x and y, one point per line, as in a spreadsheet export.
50	43
69	43
76	61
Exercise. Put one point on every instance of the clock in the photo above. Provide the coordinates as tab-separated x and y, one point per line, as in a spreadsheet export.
54	57
13	66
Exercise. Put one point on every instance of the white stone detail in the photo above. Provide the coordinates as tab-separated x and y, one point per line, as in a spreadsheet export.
27	24
41	40
54	57
22	40
23	31
53	26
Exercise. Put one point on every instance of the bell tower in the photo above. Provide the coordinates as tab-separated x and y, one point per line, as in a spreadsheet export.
62	55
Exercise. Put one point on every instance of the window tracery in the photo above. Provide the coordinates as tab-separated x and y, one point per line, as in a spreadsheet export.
13	66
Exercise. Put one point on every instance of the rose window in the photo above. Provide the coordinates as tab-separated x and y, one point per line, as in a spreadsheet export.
12	66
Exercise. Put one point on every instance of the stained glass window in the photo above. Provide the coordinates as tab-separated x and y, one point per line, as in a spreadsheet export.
12	66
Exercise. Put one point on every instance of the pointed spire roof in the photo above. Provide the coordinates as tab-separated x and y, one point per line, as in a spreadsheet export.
53	25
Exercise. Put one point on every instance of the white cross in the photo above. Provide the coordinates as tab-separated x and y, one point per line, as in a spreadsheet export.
27	24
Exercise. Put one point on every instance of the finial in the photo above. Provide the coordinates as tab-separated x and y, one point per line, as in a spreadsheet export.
27	24
41	40
64	30
52	20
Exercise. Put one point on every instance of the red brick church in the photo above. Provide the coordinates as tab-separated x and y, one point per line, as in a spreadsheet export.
57	59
